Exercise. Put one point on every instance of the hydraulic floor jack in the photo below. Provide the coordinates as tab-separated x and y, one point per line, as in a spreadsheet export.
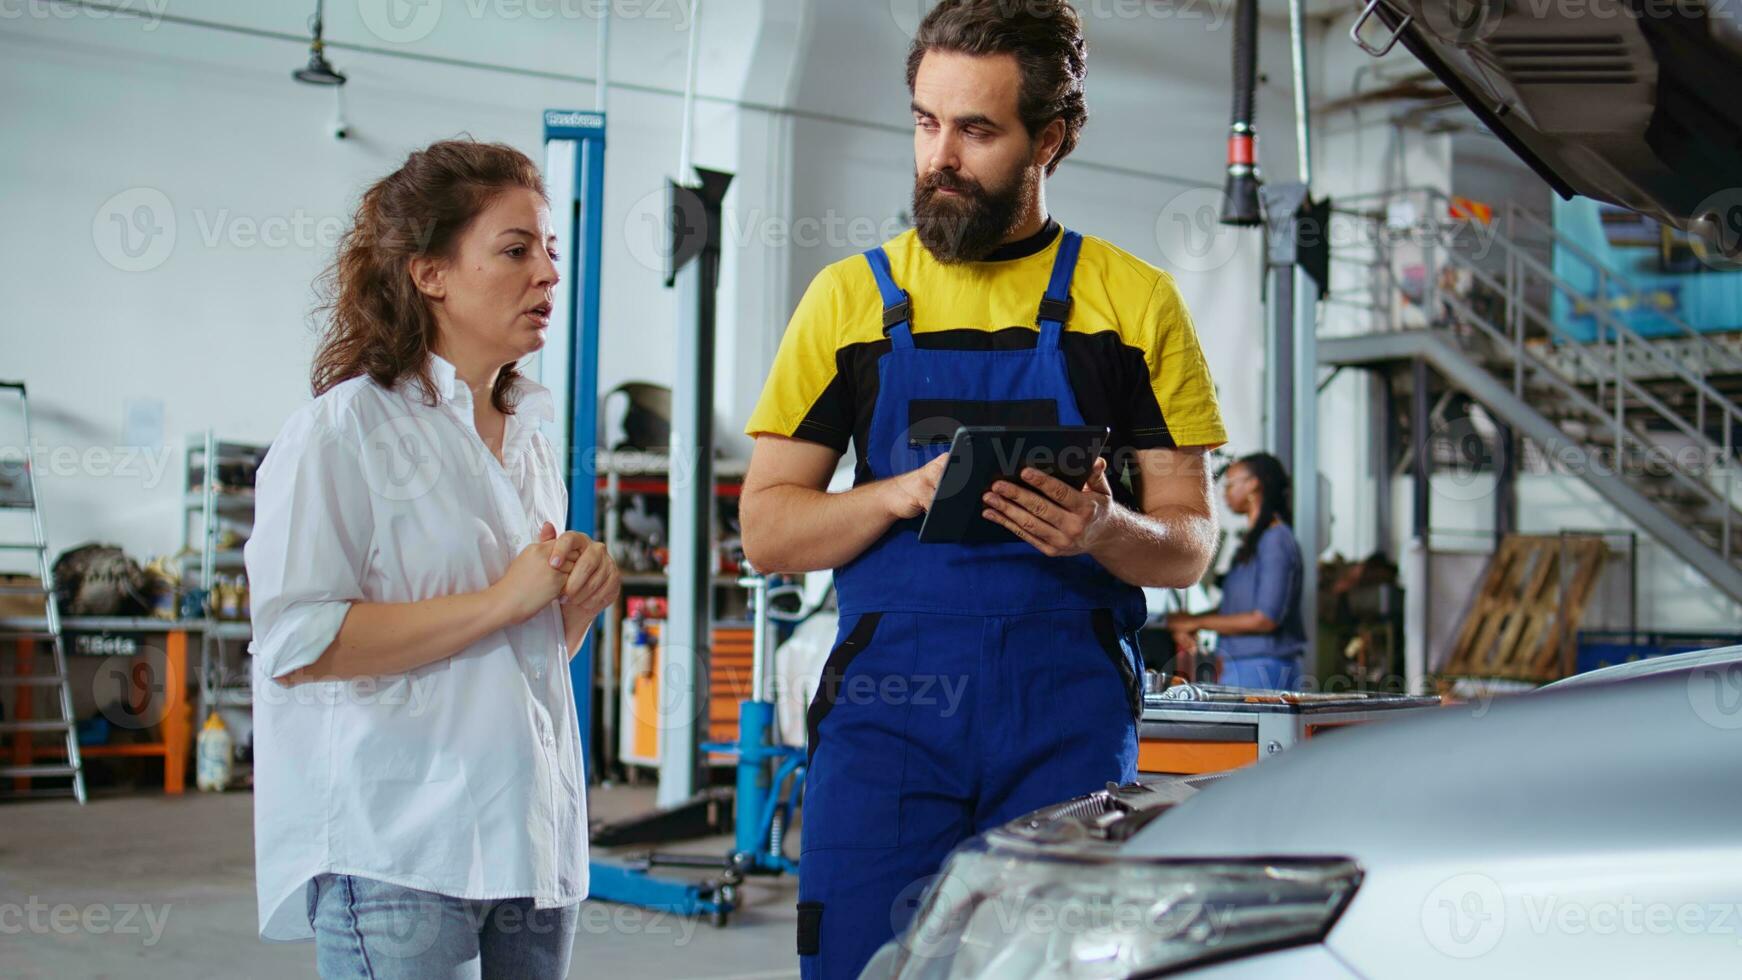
769	787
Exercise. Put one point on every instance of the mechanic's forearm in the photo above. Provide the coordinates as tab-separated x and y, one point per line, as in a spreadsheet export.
393	637
790	529
1252	623
1168	550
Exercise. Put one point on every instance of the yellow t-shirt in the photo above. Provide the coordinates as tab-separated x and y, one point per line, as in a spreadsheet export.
1129	345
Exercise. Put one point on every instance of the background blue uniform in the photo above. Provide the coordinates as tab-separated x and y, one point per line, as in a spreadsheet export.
1270	581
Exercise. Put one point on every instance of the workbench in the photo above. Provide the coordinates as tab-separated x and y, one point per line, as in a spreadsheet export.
160	702
1225	728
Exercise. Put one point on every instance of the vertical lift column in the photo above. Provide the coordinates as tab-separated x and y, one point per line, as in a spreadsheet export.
574	144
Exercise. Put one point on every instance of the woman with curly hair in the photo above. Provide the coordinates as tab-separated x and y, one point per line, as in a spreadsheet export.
419	793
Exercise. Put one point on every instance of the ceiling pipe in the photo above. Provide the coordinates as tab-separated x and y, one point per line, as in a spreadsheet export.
1240	192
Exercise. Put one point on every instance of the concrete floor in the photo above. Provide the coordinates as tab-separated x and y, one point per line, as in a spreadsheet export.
149	886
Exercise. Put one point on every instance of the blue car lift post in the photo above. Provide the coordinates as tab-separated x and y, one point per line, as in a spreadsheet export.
762	811
576	139
761	816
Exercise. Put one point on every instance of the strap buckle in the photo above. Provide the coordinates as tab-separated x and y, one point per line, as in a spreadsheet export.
1055	309
898	313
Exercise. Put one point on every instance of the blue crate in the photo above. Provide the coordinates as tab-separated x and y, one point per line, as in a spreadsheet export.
1605	648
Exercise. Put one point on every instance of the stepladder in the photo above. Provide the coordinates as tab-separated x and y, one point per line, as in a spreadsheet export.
38	702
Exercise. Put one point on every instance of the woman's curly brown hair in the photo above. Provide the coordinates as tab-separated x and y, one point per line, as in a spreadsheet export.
376	321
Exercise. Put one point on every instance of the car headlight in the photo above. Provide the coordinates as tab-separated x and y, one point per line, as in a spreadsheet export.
995	912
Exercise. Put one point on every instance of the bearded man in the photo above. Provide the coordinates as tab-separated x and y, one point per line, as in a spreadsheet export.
972	683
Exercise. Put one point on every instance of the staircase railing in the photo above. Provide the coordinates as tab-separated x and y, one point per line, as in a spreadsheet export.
1605	362
1711	351
1628	441
1620	387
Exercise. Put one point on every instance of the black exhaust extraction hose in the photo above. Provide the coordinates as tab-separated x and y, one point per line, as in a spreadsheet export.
1240	193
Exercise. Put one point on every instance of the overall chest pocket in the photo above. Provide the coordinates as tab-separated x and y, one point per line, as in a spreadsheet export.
933	421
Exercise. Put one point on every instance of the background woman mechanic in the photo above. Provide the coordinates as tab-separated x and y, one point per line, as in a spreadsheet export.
1260	624
419	800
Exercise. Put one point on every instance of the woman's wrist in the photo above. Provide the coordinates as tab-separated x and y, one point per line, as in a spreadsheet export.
498	606
576	622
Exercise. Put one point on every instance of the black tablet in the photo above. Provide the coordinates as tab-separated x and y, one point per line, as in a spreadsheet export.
981	455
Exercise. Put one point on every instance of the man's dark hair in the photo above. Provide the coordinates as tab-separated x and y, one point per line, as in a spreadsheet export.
1046	36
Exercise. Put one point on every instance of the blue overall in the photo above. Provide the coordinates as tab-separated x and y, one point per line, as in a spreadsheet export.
969	683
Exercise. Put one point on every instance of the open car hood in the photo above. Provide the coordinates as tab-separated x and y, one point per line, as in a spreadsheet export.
1632	103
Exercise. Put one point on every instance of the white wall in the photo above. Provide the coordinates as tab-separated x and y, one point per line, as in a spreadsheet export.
206	130
234	164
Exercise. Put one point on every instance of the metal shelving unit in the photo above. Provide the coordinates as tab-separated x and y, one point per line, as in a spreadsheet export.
621	473
220	495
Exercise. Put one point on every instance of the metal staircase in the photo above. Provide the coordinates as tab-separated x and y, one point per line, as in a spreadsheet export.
1647	422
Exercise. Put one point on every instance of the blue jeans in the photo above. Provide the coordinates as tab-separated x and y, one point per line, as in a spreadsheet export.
371	930
1270	673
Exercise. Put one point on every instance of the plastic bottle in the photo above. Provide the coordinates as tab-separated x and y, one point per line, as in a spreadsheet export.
212	758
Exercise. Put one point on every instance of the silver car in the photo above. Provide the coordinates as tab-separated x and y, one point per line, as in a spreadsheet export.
1588	829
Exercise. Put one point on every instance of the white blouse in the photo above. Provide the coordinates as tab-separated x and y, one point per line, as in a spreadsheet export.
463	776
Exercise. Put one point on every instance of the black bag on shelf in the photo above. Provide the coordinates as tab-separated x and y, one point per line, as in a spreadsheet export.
100	580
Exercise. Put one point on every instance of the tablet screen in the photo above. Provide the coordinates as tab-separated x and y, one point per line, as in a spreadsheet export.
983	455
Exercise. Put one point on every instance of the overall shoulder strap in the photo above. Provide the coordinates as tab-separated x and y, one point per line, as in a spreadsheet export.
1055	308
897	305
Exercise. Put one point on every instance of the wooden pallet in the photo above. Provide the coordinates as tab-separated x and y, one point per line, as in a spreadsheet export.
1520	620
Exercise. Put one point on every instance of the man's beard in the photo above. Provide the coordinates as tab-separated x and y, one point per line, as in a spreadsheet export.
968	225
